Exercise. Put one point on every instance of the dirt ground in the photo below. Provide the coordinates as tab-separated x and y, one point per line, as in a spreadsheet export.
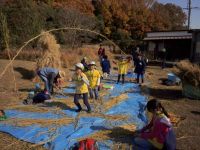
187	131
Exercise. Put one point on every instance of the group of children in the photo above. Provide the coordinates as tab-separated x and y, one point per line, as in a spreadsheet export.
156	135
86	82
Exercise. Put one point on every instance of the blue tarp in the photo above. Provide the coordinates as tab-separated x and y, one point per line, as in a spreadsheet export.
67	135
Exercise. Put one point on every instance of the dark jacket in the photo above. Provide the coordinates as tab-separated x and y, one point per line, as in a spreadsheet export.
140	66
86	67
105	66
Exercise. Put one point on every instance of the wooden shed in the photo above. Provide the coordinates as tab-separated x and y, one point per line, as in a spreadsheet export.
179	45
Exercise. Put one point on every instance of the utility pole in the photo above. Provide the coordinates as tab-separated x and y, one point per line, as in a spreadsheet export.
189	8
189	13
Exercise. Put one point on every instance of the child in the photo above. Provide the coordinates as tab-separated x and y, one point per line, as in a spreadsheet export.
140	68
159	133
105	64
122	68
94	79
84	62
82	84
2	115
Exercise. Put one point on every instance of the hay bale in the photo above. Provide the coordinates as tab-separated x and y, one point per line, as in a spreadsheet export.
188	72
51	52
190	76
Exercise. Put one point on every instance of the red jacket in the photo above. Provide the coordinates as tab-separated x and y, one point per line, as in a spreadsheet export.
101	52
156	131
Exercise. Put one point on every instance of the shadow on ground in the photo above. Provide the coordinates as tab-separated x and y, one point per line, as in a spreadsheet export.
61	105
195	112
118	134
172	94
26	74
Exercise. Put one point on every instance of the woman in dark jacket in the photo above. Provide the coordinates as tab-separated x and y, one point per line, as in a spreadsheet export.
140	68
105	64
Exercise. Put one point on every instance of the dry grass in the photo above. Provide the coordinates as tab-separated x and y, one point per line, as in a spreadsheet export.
29	54
175	119
188	72
51	52
114	101
122	132
41	122
108	117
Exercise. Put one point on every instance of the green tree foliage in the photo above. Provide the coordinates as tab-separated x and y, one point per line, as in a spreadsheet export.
27	18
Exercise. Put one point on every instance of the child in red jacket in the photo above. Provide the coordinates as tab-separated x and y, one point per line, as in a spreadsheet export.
156	133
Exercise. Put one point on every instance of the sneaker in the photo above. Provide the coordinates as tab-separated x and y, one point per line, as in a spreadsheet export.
78	110
89	111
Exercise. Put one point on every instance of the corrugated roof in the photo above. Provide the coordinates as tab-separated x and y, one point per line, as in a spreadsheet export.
168	35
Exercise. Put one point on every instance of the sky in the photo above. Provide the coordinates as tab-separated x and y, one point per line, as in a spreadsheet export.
195	16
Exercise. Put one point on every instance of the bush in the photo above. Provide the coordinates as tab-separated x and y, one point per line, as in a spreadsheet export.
27	18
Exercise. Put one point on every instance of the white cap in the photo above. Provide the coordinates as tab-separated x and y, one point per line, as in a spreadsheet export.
61	74
92	63
80	65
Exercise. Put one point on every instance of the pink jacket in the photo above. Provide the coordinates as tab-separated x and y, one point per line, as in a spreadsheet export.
155	132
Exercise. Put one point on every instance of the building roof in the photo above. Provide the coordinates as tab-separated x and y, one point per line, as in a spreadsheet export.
165	35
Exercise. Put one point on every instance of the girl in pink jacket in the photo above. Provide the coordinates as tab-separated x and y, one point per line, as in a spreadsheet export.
158	134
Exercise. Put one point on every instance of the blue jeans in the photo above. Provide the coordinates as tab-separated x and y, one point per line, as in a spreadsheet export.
47	84
142	144
94	92
138	77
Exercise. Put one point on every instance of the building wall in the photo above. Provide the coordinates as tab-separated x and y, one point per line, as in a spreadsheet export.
197	47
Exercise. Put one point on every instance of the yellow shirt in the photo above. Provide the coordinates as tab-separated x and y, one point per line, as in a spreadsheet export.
93	77
123	67
81	86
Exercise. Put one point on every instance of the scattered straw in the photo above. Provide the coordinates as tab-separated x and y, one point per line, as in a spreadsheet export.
41	122
175	120
114	101
108	117
116	133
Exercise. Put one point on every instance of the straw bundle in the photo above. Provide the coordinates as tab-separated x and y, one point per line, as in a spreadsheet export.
41	122
51	51
188	72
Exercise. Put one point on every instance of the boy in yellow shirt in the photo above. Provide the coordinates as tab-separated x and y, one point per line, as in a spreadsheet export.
122	68
82	83
94	79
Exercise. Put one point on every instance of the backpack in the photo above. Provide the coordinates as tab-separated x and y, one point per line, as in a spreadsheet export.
87	144
170	140
41	97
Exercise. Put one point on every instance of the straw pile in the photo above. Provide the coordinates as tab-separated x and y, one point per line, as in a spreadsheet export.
51	52
188	72
41	122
